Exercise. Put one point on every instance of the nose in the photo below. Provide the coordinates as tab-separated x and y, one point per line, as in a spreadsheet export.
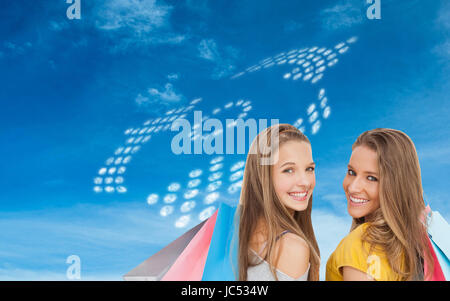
303	180
355	185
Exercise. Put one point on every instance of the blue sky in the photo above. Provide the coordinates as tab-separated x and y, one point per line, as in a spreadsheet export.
73	91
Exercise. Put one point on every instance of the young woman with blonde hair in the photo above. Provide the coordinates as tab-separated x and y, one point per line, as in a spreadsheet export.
383	186
276	238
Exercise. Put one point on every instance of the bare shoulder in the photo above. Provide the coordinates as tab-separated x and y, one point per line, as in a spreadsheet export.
293	255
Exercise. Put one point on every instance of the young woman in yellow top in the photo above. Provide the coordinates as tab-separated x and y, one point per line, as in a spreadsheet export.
384	196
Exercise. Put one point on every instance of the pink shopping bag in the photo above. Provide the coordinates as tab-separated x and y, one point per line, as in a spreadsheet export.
190	264
437	275
156	266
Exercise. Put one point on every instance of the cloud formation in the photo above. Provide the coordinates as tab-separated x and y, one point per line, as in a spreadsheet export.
341	16
173	76
329	229
136	22
223	60
109	239
14	49
443	23
157	99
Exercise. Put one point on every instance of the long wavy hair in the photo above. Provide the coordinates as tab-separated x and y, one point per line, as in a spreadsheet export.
397	226
259	200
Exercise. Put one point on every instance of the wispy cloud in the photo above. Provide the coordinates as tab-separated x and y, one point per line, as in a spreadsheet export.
18	274
136	23
330	228
156	99
223	60
442	23
57	26
168	95
139	16
208	50
343	15
439	153
173	76
11	49
110	240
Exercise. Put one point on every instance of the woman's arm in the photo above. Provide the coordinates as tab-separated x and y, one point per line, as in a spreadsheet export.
352	274
293	255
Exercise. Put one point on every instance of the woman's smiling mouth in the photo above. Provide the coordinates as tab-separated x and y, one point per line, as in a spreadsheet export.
357	201
298	196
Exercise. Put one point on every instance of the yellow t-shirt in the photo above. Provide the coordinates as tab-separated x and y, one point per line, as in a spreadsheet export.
352	252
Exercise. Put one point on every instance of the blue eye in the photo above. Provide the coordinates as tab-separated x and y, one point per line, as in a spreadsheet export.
289	170
373	179
351	172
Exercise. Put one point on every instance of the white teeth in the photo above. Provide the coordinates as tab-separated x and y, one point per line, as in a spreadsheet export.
356	200
300	195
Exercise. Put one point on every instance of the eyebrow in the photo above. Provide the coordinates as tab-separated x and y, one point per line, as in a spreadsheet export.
366	172
292	163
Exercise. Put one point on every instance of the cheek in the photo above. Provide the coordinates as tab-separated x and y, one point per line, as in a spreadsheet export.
312	181
280	184
345	183
374	193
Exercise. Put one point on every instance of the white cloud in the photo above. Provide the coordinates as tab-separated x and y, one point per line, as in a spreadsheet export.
20	274
133	15
57	26
443	25
141	100
11	49
168	95
435	152
110	240
343	15
208	50
223	60
156	99
338	201
136	22
173	76
329	229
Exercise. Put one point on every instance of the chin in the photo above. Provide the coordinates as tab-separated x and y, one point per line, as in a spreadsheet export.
355	213
300	207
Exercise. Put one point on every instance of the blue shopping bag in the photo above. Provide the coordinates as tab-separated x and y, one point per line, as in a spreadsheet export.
439	233
221	263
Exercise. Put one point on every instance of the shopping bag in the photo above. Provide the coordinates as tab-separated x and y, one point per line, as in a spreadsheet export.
437	275
439	244
190	264
221	263
156	266
443	260
439	233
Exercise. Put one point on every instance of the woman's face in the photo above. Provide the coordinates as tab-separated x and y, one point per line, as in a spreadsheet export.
293	175
361	184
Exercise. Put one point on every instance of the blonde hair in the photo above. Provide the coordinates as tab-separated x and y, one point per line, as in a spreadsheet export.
396	226
259	200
